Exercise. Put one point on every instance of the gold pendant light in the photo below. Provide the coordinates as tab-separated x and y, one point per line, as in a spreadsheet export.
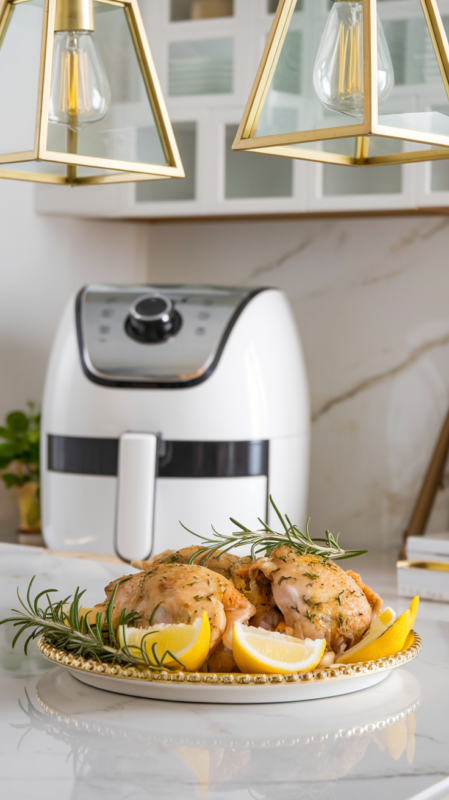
80	98
326	88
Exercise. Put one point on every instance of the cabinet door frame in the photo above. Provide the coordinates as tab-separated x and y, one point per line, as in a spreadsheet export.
160	209
222	206
168	33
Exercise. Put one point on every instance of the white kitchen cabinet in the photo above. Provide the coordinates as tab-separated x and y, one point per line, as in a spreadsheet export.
206	68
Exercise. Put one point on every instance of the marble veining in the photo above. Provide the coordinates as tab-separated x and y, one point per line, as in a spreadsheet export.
370	300
368	383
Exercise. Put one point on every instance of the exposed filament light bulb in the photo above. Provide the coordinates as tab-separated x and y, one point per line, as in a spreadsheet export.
338	73
80	92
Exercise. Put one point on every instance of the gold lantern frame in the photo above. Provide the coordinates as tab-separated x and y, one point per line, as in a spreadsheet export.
282	144
124	171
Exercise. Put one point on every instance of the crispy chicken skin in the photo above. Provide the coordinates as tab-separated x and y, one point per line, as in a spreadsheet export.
220	562
317	599
173	593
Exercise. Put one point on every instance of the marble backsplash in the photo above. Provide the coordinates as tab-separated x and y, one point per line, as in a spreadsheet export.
371	299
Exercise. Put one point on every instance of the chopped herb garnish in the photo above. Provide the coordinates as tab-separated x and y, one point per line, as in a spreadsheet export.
339	596
310	575
174	558
310	616
286	578
310	602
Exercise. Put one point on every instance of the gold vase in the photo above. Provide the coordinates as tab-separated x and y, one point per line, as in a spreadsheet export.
28	501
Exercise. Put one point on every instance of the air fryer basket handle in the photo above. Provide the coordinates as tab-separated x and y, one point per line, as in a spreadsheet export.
136	488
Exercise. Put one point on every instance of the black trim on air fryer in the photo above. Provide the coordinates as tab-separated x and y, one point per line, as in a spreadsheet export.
158	384
78	455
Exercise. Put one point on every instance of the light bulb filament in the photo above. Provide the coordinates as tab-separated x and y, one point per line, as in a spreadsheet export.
74	95
349	73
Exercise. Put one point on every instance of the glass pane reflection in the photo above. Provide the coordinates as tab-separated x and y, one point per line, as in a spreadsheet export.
128	132
19	67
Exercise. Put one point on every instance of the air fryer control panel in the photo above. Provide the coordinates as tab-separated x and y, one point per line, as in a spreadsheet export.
155	335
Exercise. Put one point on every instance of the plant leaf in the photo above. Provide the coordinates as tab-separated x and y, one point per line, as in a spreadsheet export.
17	421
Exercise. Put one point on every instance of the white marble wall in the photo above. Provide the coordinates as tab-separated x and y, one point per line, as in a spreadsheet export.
43	261
371	298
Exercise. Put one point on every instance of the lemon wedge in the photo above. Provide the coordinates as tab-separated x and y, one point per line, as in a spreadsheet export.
378	627
189	644
413	608
390	643
257	650
395	638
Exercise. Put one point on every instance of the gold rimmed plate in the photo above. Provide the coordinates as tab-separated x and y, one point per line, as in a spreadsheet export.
230	687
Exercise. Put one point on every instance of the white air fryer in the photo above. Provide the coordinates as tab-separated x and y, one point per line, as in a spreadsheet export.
168	403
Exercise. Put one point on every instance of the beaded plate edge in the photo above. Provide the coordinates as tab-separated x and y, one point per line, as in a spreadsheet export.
333	673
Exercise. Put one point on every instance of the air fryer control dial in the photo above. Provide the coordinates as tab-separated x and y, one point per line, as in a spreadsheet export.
118	330
152	319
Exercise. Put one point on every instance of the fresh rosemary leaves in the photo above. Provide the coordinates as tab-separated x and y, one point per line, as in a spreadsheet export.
265	540
67	629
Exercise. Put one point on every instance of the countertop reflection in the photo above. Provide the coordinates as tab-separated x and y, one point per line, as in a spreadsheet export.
60	738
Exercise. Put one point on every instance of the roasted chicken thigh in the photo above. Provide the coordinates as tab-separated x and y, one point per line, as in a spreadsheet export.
173	593
317	598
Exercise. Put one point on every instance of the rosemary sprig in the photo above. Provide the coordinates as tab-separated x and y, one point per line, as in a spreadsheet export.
67	629
265	540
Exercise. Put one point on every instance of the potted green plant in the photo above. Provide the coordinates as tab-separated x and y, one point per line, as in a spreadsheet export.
19	466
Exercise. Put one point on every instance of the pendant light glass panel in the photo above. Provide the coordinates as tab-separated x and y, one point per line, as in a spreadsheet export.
80	99
313	97
128	131
292	103
19	66
418	77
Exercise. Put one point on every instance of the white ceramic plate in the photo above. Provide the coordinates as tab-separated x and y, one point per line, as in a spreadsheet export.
230	687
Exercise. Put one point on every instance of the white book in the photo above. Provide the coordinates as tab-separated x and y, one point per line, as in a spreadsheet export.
432	547
430	584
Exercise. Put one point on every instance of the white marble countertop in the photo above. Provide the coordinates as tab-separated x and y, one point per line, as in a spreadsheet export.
62	739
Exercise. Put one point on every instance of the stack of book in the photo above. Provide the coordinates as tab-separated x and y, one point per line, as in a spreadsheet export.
426	568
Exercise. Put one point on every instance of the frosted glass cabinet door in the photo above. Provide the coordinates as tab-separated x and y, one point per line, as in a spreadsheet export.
175	190
334	188
250	182
193	10
175	198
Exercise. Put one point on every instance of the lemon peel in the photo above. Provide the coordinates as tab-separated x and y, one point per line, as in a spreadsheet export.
378	627
390	643
189	644
256	650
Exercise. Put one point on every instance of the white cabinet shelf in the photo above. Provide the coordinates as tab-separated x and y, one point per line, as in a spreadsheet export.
206	68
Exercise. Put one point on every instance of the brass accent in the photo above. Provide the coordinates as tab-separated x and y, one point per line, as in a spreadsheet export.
72	147
117	171
432	482
439	38
283	144
332	673
74	15
434	566
361	149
